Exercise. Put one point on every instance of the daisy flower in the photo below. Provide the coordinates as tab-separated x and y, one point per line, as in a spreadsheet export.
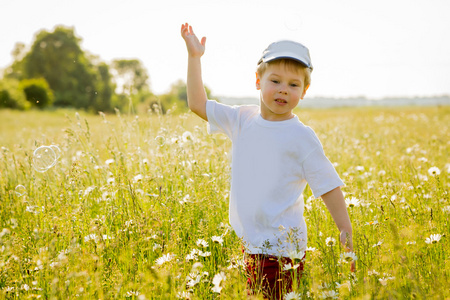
434	171
217	239
330	294
165	258
433	239
352	202
296	255
202	243
217	280
292	296
348	257
330	241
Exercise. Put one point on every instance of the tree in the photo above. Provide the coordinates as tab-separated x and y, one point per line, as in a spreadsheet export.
37	92
177	96
57	57
130	75
11	95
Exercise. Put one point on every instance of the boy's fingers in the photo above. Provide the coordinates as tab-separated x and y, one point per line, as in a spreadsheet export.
203	41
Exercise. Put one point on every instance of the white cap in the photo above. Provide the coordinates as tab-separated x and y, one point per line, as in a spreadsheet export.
289	50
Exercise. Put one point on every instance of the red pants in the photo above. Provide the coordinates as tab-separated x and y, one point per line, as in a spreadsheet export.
265	273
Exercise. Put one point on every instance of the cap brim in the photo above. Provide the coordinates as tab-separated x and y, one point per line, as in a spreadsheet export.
286	55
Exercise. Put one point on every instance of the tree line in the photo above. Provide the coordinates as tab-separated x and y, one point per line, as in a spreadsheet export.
55	72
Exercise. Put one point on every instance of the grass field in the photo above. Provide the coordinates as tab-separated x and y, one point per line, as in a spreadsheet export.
136	207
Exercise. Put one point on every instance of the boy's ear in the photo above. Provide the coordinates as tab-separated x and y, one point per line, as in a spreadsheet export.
304	91
258	86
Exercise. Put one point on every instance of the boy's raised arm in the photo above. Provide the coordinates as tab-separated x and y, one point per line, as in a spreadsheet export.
196	93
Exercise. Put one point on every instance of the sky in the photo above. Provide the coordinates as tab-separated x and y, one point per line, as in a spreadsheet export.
384	48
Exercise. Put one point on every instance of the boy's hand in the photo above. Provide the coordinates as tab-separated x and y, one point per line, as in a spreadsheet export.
347	242
195	47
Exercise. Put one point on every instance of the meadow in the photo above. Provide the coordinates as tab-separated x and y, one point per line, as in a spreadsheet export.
136	207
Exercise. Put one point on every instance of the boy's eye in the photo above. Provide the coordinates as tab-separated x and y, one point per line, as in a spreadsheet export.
275	81
294	85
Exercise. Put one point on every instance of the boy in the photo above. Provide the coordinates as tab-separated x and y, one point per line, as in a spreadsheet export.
274	156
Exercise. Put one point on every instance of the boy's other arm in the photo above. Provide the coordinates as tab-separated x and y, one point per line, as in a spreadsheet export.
335	202
196	93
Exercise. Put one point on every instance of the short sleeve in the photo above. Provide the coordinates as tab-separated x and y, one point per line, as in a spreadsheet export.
221	118
320	173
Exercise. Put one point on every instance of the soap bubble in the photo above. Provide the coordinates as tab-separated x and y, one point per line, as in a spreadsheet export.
20	190
160	140
44	158
56	150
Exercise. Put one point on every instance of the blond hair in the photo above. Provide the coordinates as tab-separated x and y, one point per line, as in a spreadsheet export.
289	64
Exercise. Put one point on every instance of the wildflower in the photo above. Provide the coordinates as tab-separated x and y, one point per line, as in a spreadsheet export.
138	178
330	241
292	296
185	199
375	222
382	173
145	161
193	280
202	242
377	244
204	254
109	161
131	294
289	266
411	243
217	239
217	280
187	137
384	280
348	257
165	258
352	202
434	171
359	168
296	255
184	295
312	249
433	239
329	294
373	272
110	180
91	237
191	257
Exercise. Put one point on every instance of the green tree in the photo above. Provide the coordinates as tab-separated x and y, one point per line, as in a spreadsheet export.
57	57
11	95
177	97
37	92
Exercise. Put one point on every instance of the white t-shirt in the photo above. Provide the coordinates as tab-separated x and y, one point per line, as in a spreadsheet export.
271	164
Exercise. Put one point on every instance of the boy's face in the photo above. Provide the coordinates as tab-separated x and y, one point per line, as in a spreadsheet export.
281	90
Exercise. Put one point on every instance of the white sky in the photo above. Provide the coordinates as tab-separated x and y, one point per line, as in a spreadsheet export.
372	48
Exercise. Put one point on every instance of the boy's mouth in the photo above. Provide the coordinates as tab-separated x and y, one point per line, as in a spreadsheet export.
281	101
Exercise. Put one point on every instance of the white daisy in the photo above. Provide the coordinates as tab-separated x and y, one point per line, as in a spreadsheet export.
292	296
434	171
433	239
296	255
330	241
202	243
329	294
217	280
352	202
348	257
217	239
165	258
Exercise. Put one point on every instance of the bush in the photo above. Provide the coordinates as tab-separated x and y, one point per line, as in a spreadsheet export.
11	95
37	92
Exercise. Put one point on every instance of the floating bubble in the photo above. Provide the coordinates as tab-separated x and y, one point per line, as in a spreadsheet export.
160	140
44	158
20	190
56	150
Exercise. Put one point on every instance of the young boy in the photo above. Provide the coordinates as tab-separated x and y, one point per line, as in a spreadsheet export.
274	156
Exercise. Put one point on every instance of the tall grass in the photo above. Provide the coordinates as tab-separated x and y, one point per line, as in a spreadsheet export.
137	207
